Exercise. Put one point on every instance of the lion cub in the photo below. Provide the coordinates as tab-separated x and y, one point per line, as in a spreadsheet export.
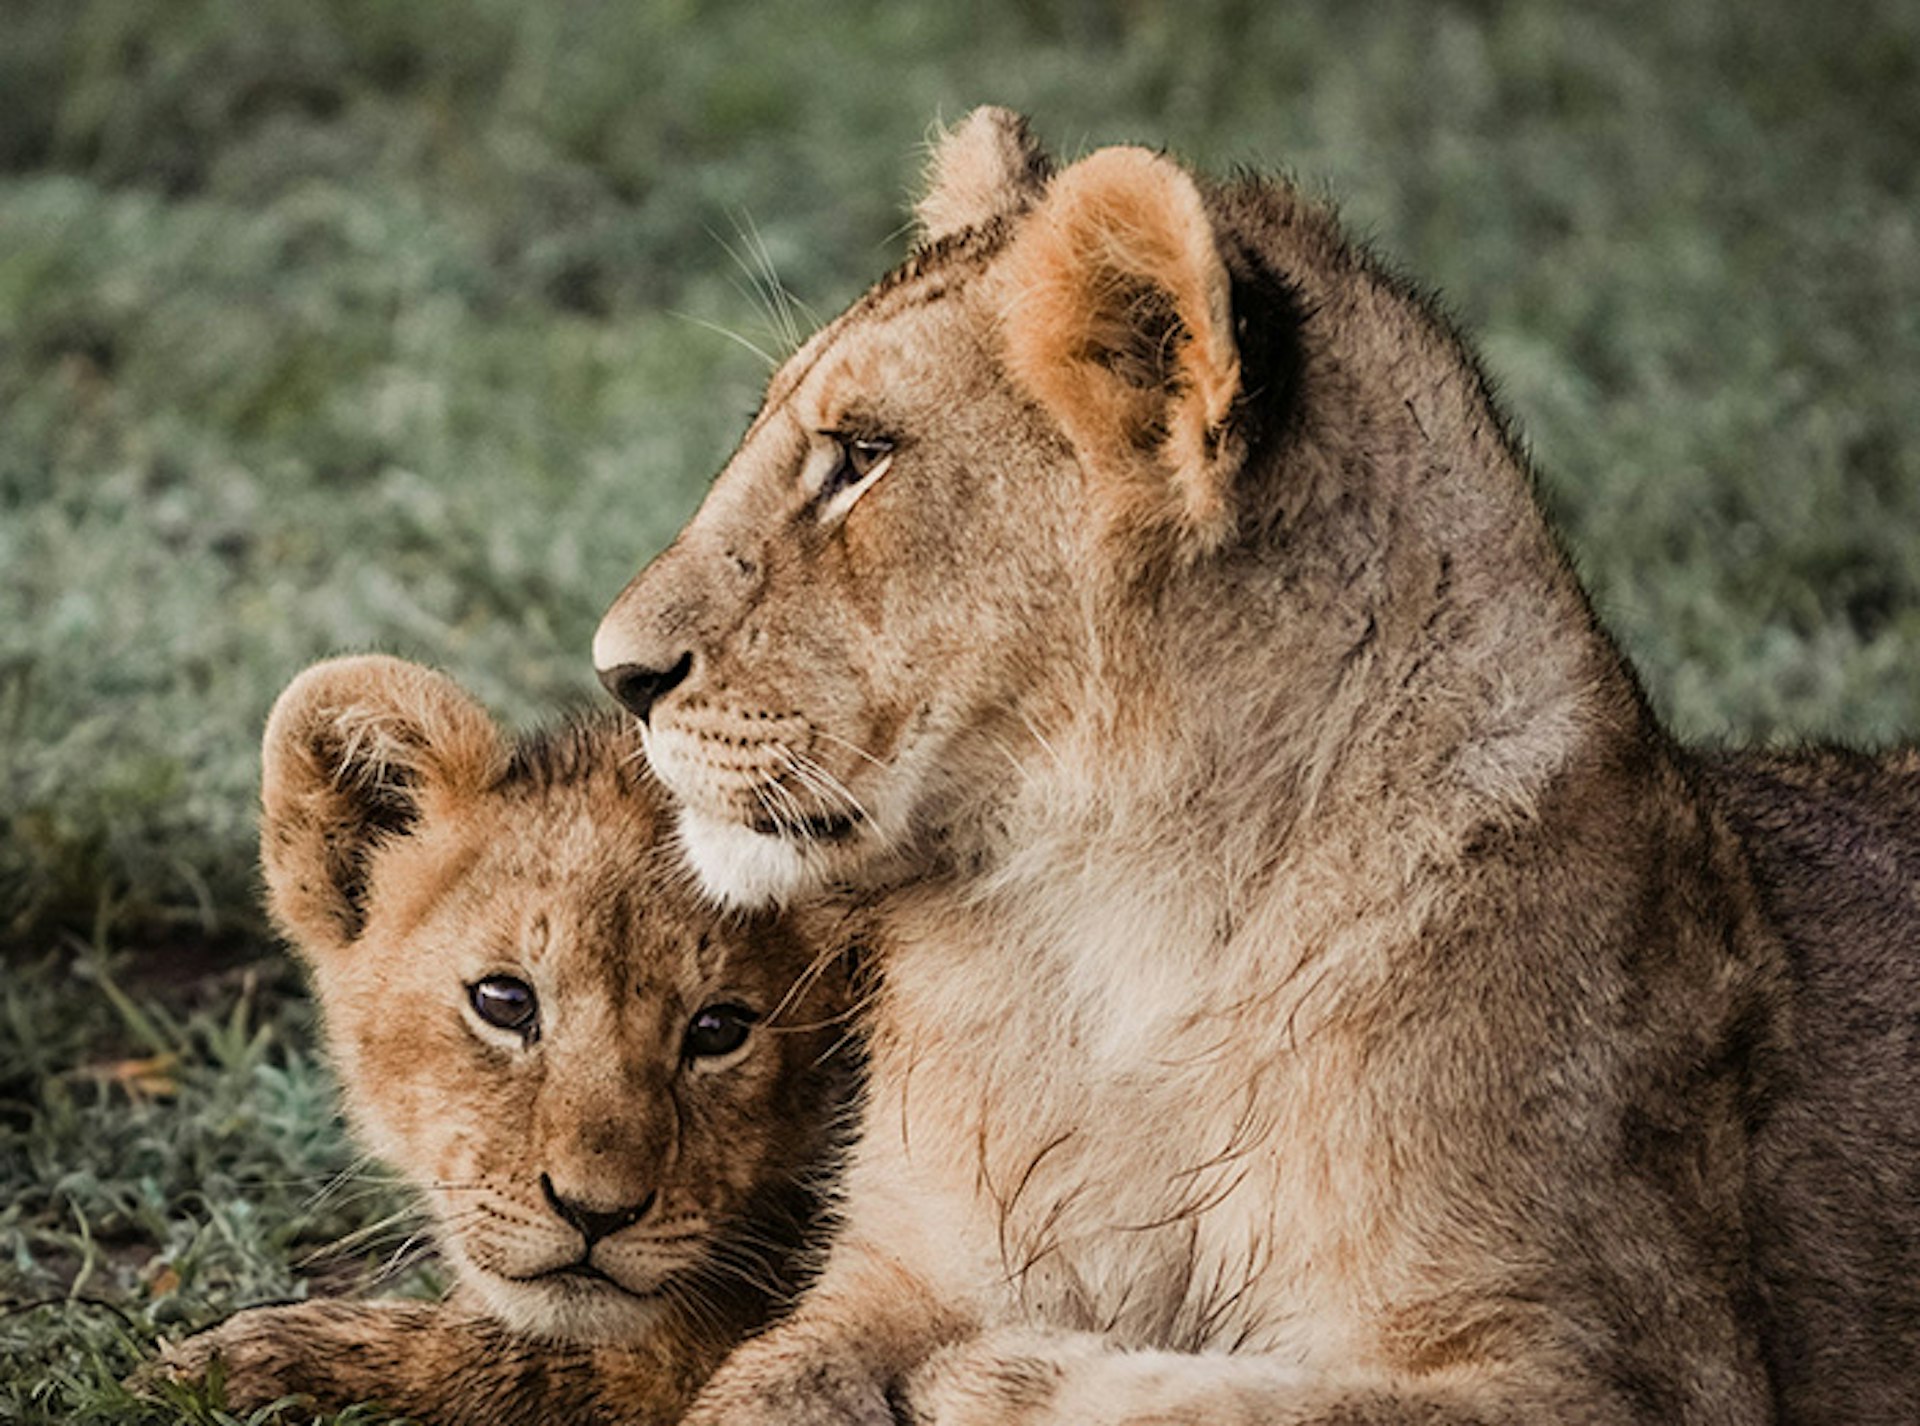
614	1099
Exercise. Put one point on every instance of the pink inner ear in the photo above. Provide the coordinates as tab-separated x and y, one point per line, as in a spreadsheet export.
1119	320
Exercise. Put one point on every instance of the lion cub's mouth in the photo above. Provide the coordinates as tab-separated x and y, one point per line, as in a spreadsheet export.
586	1273
819	827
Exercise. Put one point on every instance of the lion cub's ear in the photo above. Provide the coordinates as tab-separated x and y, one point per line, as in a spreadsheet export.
987	166
1119	318
357	750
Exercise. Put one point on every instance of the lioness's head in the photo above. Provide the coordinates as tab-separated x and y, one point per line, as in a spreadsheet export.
910	564
611	1096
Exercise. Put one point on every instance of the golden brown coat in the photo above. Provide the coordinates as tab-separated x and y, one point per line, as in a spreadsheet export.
620	1197
1316	990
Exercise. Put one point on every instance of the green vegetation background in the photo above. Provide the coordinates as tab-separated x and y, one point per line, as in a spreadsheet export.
347	324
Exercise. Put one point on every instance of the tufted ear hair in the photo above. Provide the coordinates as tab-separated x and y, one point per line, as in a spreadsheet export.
1119	318
987	166
356	751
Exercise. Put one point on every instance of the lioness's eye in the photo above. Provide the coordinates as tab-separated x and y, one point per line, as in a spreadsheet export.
501	1000
717	1030
860	458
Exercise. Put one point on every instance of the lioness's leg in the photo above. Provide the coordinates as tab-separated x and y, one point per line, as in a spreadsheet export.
1018	1377
842	1359
434	1363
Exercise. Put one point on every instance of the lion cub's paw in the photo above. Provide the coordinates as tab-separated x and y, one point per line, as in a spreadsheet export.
267	1354
251	1361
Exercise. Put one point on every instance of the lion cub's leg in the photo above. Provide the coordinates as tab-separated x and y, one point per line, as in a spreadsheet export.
435	1363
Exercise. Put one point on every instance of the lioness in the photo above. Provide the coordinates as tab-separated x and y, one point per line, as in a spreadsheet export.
1316	989
615	1100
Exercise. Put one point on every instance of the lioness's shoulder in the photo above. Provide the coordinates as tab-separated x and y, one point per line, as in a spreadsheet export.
1832	836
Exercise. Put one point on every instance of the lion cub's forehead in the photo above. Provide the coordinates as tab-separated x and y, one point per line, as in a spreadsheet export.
581	875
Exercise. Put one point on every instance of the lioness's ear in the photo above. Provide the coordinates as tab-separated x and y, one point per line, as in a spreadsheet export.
356	751
1119	318
987	166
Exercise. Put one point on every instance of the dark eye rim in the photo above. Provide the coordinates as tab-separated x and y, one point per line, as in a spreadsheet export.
860	453
522	1019
740	1018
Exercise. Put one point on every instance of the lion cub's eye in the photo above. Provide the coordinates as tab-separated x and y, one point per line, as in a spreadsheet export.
717	1030
862	460
501	1000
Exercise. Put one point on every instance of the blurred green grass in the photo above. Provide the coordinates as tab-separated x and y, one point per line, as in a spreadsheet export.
336	324
332	324
168	1154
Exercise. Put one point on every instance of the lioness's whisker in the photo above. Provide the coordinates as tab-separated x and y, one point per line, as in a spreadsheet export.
778	304
816	775
804	982
851	747
823	802
796	815
772	361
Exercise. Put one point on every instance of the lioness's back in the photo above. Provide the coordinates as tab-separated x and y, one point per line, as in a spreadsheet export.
1833	838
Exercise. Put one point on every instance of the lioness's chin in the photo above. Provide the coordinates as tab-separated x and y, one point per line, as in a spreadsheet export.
748	870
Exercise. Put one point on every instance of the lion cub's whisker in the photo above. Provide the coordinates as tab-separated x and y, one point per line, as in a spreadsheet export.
476	1067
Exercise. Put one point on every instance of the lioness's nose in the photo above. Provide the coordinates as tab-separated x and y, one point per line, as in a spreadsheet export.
638	687
593	1224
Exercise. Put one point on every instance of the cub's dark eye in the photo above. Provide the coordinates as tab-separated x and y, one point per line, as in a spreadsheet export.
501	1000
717	1030
860	457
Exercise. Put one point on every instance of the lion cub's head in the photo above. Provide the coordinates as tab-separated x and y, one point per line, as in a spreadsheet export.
612	1097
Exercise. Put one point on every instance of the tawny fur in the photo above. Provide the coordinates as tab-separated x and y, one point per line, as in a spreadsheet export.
988	164
1316	990
410	850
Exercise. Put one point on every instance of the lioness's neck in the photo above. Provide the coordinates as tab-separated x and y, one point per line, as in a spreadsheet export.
1394	628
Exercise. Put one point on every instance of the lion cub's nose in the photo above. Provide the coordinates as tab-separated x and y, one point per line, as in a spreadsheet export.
638	687
593	1224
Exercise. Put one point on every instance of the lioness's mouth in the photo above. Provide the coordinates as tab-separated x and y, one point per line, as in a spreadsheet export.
821	827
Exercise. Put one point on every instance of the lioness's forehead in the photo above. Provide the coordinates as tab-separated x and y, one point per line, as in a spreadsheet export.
837	361
855	344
